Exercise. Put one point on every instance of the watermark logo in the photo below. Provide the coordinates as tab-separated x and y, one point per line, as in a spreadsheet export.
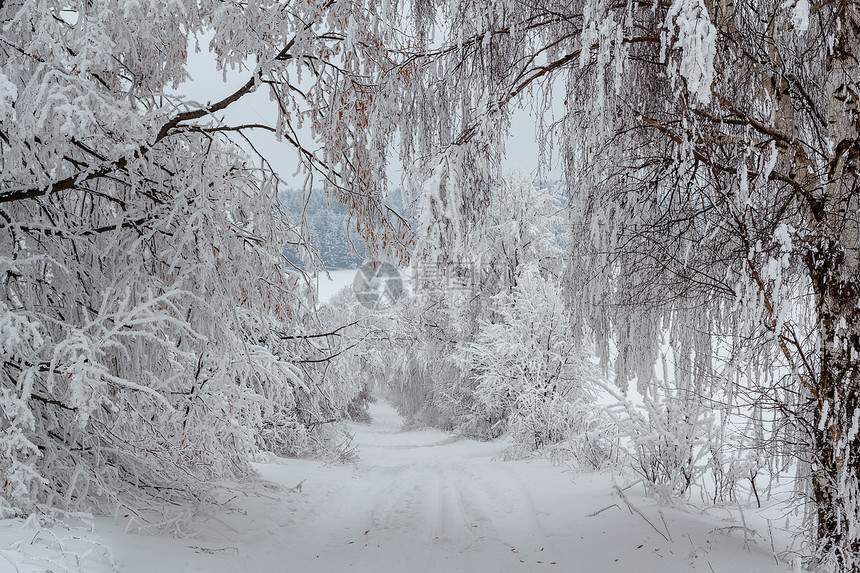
378	285
431	278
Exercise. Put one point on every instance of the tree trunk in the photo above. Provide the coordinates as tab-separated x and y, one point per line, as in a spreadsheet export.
833	261
836	447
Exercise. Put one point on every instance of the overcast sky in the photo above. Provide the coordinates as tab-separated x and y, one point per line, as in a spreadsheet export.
207	85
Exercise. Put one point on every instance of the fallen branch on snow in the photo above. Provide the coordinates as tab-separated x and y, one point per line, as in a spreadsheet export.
602	510
634	509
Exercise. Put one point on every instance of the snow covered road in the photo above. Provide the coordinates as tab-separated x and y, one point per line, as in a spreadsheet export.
417	501
422	501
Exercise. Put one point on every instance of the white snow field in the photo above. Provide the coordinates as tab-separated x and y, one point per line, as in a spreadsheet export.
340	279
415	501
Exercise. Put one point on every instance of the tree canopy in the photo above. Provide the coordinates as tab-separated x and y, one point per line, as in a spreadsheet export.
710	151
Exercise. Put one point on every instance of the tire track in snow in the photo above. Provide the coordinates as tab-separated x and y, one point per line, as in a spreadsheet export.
427	502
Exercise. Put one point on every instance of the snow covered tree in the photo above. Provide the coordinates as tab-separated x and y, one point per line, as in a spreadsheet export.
521	235
492	349
530	374
147	325
711	149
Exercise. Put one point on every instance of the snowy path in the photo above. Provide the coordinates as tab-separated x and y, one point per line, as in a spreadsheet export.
428	503
418	501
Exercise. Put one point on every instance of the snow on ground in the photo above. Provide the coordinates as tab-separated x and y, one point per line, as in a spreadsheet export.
415	501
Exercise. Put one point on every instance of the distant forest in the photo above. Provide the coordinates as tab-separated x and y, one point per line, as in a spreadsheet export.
332	232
